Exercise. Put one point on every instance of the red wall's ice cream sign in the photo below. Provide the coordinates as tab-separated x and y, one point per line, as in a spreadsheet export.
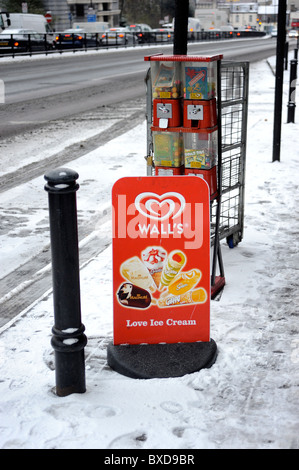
161	260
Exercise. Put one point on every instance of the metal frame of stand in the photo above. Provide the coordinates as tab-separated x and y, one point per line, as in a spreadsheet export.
217	283
234	111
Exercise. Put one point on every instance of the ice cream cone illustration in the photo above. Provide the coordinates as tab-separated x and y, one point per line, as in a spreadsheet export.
157	277
134	271
196	296
184	282
153	258
175	262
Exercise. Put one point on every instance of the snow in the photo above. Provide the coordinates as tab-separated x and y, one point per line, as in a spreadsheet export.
249	398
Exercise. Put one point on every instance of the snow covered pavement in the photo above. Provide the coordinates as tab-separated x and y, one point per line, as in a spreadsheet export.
249	398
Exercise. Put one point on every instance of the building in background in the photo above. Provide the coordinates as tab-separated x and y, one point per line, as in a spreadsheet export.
213	14
66	12
98	11
210	15
60	13
240	14
245	16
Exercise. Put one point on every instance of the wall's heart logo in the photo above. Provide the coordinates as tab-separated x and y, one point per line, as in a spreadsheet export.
161	207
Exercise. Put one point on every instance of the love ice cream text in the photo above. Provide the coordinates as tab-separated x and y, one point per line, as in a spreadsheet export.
152	322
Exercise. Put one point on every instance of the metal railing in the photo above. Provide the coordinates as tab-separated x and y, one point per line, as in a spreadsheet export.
26	44
93	41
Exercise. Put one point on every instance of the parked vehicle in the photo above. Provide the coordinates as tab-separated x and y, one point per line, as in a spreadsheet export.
194	26
210	18
76	39
163	34
250	29
215	33
92	26
21	40
293	33
143	32
274	33
37	23
228	28
117	36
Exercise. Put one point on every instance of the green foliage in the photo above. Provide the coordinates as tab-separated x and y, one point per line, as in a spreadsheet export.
147	12
150	11
15	6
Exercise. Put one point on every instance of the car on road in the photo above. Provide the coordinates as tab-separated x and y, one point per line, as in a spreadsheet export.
293	33
274	33
76	39
143	32
22	40
214	33
162	34
117	36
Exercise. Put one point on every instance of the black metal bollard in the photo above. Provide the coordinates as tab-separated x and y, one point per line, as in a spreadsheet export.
292	91
68	339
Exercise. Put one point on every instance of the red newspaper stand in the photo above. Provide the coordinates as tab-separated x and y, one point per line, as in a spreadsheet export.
186	127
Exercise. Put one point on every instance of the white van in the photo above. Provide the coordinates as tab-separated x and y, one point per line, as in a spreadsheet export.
37	23
194	26
92	26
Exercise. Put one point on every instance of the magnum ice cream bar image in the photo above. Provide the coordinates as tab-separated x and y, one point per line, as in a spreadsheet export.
133	296
136	272
184	282
153	258
196	296
174	263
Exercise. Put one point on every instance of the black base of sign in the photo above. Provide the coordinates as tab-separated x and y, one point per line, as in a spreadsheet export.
149	361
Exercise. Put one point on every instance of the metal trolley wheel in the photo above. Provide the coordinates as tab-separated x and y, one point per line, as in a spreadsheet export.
234	239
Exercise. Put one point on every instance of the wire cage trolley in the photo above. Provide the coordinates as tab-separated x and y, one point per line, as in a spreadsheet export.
234	110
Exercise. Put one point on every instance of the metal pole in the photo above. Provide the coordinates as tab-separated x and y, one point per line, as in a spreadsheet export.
286	55
279	79
292	91
217	251
180	40
68	339
149	113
